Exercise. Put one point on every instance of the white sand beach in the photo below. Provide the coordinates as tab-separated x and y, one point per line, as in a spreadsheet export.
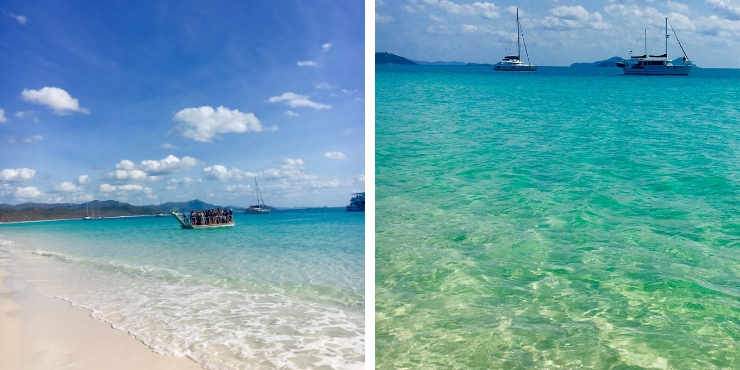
40	332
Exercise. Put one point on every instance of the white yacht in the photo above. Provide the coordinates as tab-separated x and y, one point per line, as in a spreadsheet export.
87	212
259	208
657	64
357	203
513	63
161	211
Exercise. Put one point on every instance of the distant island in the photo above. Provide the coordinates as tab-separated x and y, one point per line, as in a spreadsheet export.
107	208
611	62
388	58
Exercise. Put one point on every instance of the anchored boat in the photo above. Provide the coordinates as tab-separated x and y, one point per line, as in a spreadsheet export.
259	208
657	65
200	221
357	203
513	63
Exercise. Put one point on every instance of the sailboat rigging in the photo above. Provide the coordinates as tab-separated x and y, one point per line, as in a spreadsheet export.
513	63
657	64
260	207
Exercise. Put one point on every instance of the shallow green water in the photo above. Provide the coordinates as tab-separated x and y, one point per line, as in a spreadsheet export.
281	290
558	219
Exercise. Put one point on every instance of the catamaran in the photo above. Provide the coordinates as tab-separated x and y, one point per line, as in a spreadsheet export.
259	208
657	64
514	63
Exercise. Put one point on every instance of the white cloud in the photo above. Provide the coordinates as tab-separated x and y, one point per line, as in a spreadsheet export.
131	175
576	13
383	18
28	193
333	183
17	174
729	8
324	86
3	119
326	47
83	179
435	18
30	114
335	155
67	187
359	178
175	183
167	146
486	10
33	139
168	165
59	100
204	123
108	188
290	169
20	18
238	188
677	7
573	17
295	101
148	170
307	63
291	113
219	172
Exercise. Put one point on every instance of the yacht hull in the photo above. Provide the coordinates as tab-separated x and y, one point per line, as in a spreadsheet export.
519	68
659	71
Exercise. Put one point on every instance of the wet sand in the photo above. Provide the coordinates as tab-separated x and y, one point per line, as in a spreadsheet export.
40	332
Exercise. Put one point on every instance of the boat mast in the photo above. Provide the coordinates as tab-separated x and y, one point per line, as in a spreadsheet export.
645	43
666	38
518	37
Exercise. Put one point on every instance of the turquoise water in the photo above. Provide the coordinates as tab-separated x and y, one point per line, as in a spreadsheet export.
576	219
283	290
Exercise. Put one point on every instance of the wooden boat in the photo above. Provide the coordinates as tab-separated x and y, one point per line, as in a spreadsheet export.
186	224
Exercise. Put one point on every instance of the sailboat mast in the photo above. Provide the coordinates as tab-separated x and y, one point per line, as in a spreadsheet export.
518	37
646	43
666	38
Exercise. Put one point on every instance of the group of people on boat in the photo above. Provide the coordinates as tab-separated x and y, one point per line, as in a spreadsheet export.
210	216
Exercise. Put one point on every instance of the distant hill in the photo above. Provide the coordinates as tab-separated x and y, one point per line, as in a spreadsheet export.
107	208
40	211
388	58
611	62
453	63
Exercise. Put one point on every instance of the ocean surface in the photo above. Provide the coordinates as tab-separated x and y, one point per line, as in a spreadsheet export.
563	219
283	290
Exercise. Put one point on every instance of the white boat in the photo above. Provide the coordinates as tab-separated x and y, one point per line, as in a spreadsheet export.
657	65
87	212
513	63
201	223
259	208
357	203
161	211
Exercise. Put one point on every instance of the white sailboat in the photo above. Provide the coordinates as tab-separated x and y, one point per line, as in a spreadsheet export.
657	64
259	208
161	210
513	63
87	212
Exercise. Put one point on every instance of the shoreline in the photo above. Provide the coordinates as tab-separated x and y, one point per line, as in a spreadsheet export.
41	332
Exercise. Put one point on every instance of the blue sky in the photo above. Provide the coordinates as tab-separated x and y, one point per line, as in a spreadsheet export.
176	100
558	32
